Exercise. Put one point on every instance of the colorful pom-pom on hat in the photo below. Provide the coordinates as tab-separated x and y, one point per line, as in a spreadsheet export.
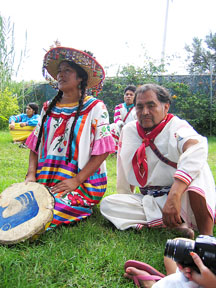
56	55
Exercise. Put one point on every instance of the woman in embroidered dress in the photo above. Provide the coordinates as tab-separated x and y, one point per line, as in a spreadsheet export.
72	139
124	113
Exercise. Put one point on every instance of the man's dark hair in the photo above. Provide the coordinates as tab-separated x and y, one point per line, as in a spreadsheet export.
162	93
130	87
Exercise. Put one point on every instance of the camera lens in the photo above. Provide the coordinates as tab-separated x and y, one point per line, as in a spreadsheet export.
179	250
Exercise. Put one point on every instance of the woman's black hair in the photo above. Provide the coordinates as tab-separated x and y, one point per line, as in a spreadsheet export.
81	73
34	107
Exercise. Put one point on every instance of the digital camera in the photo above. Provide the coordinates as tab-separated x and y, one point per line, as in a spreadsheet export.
205	246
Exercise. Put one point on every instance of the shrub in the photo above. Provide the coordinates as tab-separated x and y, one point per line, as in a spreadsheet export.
193	107
8	106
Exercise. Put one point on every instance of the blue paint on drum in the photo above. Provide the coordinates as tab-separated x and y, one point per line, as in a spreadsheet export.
28	211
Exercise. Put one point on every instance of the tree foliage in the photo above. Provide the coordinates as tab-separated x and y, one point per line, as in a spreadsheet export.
201	53
193	107
10	90
113	89
8	106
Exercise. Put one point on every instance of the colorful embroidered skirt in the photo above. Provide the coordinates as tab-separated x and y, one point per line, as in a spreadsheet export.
66	214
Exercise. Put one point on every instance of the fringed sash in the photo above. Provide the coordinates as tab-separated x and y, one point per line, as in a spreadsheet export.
139	161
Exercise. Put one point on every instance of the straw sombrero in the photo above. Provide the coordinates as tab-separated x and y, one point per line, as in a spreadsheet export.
56	55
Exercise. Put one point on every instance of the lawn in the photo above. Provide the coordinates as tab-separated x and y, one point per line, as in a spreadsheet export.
85	255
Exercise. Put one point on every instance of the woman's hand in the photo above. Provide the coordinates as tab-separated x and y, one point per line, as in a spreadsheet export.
23	124
30	178
12	126
65	186
31	174
205	278
70	185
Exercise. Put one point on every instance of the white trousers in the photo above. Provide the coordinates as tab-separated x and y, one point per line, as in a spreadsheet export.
133	210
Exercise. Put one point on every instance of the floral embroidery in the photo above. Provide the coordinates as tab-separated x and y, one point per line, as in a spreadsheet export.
104	115
103	131
76	200
61	135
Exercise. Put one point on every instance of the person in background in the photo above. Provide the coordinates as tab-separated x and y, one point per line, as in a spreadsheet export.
123	114
72	139
21	126
29	119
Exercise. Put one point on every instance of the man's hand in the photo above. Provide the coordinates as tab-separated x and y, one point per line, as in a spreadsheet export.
172	207
171	211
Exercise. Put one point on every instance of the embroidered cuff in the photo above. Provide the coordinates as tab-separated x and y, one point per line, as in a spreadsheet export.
183	176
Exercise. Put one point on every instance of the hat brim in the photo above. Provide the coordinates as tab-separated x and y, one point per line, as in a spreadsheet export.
55	56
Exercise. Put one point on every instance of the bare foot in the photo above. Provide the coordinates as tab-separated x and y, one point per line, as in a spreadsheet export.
185	231
132	272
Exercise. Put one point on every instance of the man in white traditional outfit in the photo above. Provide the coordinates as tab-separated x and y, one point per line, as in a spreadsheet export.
124	113
167	159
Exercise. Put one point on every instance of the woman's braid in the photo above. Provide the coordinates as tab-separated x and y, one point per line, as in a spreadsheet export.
56	99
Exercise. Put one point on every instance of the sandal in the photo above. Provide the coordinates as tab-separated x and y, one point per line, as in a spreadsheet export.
145	278
155	275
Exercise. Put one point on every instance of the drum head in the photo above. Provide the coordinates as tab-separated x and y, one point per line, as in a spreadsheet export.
25	209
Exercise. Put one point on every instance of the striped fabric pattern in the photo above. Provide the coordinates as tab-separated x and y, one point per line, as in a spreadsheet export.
65	214
183	176
122	115
117	113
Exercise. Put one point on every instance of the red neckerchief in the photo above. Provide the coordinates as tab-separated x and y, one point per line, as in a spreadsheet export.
139	161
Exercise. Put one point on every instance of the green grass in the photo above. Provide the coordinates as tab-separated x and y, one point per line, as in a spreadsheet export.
212	155
85	255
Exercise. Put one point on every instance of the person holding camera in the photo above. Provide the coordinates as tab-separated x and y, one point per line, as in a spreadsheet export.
189	278
205	278
184	269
